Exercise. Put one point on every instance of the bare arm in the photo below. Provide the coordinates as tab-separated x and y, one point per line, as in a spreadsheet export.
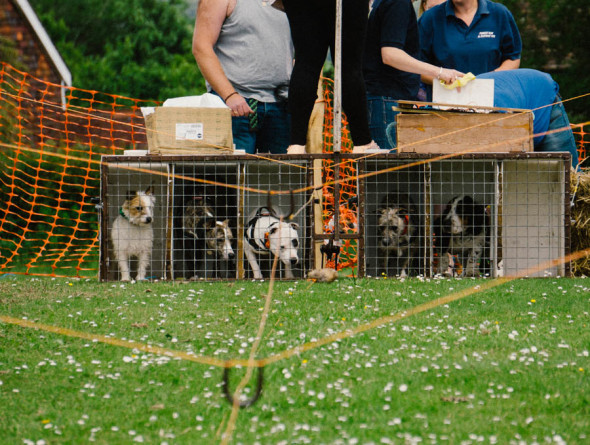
509	64
402	61
210	17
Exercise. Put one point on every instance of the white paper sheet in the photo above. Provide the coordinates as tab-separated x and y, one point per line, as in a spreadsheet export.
476	92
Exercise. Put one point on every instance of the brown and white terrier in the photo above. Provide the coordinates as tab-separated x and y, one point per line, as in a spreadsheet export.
132	233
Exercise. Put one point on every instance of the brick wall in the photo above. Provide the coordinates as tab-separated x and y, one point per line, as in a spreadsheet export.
15	27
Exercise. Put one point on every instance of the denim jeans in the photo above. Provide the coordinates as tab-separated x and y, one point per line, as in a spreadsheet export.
272	135
562	140
382	121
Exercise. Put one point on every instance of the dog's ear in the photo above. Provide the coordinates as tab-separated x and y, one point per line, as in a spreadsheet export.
449	206
130	195
149	191
468	200
294	225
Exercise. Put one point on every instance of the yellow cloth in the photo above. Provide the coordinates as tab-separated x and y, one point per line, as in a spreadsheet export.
459	82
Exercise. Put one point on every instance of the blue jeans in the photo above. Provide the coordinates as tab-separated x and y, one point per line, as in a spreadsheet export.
382	121
562	140
272	135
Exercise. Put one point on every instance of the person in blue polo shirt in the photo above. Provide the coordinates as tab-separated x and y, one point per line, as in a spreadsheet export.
537	91
476	36
391	67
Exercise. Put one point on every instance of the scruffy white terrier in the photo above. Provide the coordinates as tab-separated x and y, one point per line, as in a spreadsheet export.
132	234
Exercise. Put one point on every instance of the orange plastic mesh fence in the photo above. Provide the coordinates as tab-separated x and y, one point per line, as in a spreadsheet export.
582	141
51	141
348	186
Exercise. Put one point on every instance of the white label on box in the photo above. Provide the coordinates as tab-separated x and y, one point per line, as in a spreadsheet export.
189	132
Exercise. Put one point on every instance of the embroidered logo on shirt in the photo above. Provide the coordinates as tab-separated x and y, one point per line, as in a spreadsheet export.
486	35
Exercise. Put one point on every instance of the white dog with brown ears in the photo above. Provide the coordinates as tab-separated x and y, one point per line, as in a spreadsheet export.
132	234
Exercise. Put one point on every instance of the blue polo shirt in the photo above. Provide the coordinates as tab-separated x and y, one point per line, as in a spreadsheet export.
528	90
479	48
392	23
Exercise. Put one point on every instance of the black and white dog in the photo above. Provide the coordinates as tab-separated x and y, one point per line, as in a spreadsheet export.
462	229
266	234
398	230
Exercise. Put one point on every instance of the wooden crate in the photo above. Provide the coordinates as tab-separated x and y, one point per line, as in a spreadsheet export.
457	132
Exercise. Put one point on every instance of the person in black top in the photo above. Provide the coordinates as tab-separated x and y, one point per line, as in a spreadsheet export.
391	67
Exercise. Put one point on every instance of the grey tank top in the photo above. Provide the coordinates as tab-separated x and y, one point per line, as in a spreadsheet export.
255	50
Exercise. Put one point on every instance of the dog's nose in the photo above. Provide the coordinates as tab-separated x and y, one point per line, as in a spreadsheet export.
231	255
294	261
148	219
385	241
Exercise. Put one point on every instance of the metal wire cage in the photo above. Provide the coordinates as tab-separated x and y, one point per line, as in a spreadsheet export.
413	214
203	207
473	215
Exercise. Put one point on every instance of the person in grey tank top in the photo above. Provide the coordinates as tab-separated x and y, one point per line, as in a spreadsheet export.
244	51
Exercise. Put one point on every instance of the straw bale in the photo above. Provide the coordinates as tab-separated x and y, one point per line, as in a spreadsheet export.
580	227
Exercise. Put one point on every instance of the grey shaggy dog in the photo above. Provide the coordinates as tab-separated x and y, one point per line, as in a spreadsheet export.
398	232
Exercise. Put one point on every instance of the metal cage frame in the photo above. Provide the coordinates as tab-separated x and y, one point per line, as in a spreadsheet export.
509	180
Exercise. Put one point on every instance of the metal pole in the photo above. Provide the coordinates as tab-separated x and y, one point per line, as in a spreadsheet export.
338	79
337	137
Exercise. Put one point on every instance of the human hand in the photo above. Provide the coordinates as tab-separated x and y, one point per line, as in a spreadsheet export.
238	106
448	76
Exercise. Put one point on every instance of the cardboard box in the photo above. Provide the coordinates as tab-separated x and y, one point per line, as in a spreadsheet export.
189	130
453	132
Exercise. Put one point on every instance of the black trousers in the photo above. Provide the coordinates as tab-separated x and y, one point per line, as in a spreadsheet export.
313	29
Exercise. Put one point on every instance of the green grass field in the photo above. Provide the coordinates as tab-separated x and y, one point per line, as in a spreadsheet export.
505	365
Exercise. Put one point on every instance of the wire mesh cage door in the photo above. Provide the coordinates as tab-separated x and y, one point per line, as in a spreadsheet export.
134	223
395	217
463	213
276	219
204	219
